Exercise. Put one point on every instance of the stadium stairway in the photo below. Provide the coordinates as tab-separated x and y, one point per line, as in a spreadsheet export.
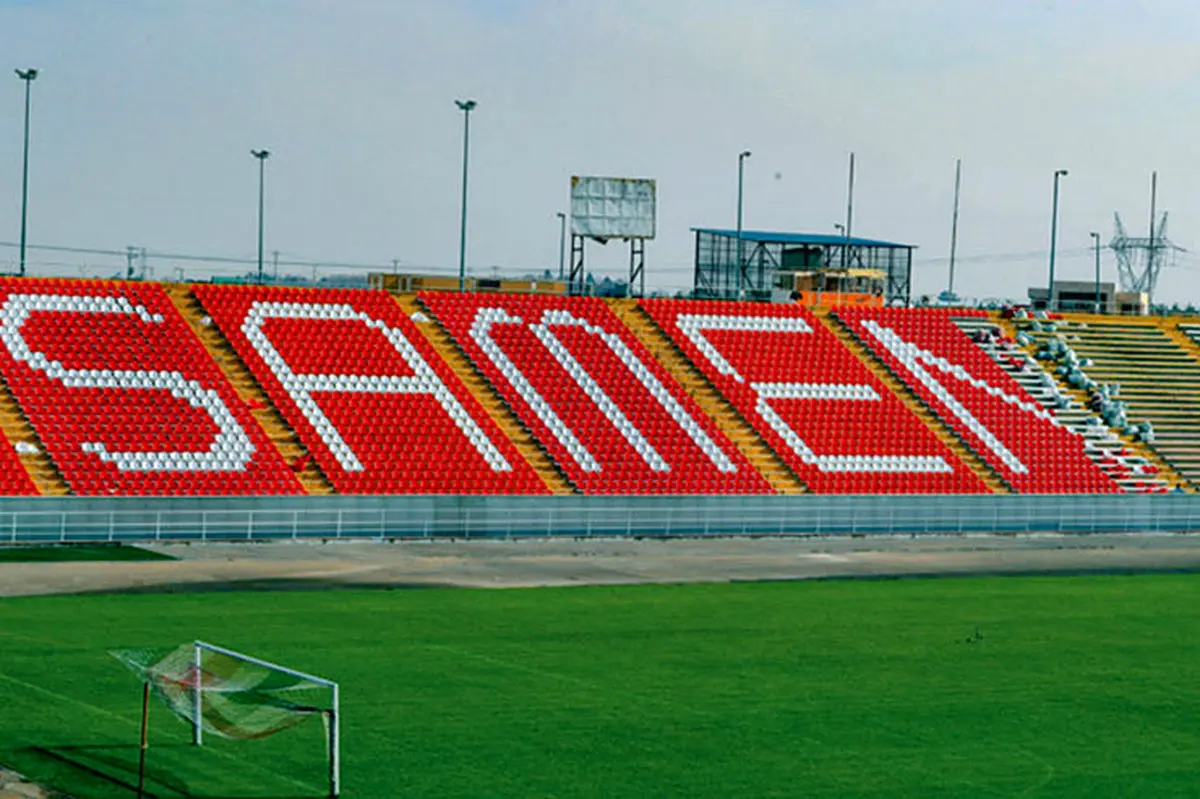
29	448
486	394
931	420
1159	379
723	414
248	390
1132	463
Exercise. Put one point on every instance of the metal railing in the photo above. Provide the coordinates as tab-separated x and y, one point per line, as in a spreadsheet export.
78	519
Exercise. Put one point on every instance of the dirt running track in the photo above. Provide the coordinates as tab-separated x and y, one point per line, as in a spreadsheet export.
560	562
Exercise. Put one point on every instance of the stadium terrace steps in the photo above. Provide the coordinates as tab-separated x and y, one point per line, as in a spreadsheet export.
603	407
782	479
571	351
823	412
970	391
29	448
1124	457
1159	380
125	398
1139	449
1185	334
914	403
485	393
282	436
376	406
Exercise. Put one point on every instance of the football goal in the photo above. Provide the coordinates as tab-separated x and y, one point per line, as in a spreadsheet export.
232	695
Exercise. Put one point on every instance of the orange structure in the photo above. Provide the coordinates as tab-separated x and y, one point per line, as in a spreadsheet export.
836	288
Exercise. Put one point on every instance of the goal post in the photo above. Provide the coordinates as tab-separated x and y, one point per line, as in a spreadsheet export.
331	714
238	696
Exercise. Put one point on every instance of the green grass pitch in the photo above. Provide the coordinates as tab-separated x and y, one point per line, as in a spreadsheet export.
1073	686
61	553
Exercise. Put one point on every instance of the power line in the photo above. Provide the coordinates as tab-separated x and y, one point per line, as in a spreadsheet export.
52	248
384	266
216	259
1029	255
120	256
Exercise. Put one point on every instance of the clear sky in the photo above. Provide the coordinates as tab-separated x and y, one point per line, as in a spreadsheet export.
145	112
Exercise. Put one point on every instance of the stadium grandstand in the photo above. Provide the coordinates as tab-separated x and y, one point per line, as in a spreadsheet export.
129	388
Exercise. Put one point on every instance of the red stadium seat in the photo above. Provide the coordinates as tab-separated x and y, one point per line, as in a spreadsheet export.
127	401
124	396
14	480
368	395
997	418
820	408
609	415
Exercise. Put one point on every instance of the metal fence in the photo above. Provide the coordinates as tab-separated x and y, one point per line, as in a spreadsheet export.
79	519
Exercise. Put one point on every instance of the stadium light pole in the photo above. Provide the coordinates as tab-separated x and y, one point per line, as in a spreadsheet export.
466	106
954	224
849	215
29	76
562	241
1096	242
1058	174
741	265
262	156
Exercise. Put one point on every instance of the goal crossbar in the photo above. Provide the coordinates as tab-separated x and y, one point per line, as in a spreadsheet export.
332	714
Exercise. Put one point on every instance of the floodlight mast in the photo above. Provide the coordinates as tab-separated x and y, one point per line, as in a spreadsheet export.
466	106
262	156
562	241
29	76
1058	174
849	215
741	265
954	225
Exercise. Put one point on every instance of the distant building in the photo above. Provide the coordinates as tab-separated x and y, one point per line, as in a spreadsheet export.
1079	296
397	283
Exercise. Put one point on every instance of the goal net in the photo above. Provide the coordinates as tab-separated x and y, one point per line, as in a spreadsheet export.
232	695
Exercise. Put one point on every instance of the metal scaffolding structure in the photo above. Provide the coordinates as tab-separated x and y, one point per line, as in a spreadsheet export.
765	254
